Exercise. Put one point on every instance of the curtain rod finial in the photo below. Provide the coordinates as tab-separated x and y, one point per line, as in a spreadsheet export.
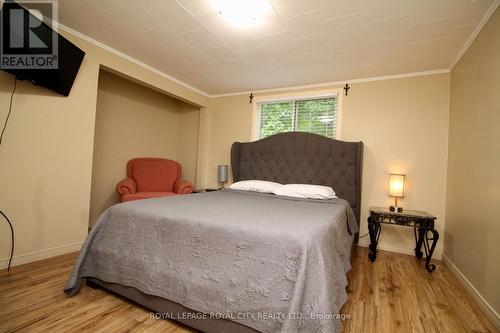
346	88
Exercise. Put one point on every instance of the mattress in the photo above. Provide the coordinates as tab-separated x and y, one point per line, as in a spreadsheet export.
274	264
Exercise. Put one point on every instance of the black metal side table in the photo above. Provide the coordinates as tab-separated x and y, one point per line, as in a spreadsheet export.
423	229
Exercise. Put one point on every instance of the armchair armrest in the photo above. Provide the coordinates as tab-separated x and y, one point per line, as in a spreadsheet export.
183	187
127	186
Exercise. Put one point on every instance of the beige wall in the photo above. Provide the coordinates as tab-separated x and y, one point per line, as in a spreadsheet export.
472	230
188	137
135	121
46	158
45	165
404	126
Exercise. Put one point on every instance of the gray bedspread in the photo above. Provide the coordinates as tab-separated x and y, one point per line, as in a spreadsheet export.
275	264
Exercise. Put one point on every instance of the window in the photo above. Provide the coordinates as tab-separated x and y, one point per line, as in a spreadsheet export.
314	115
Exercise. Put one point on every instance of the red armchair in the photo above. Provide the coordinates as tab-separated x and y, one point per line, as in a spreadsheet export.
152	178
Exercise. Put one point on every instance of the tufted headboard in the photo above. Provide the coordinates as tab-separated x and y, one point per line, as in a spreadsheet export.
302	158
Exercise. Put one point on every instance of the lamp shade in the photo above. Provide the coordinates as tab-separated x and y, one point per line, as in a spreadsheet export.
222	173
397	185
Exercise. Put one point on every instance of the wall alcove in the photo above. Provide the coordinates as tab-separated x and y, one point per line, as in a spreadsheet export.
136	121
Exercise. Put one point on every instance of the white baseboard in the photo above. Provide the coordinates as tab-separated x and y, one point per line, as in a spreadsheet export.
483	304
41	254
365	243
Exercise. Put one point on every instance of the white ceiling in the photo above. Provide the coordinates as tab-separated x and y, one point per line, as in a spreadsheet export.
301	42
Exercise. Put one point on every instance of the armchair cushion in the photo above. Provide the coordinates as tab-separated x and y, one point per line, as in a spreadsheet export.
183	187
126	186
154	174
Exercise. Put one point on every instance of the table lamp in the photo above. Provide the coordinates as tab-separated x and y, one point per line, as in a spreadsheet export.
222	174
396	190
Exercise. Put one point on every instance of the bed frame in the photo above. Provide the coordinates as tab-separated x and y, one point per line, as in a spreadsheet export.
294	157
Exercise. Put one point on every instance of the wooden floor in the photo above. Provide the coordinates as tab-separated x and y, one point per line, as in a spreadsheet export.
394	294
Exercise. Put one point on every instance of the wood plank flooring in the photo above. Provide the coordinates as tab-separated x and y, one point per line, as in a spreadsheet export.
394	294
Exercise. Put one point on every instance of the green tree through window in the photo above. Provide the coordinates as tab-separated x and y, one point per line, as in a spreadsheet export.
276	118
313	115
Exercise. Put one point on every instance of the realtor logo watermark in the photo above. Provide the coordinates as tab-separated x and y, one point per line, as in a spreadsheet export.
25	42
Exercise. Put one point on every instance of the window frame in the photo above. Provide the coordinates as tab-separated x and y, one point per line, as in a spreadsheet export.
258	100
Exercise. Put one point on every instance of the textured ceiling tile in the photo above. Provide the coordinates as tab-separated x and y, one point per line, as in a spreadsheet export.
289	8
298	42
319	58
269	26
240	42
348	25
222	54
308	24
197	7
172	15
201	39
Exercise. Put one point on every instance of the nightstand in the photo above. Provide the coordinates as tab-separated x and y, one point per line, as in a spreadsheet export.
423	230
203	190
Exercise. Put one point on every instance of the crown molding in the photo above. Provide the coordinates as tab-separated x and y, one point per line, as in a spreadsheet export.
462	51
127	57
477	30
337	83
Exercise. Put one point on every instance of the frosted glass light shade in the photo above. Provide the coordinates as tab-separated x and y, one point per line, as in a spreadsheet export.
397	185
222	174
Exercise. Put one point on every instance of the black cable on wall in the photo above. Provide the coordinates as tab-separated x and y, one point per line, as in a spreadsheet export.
1	138
12	235
10	110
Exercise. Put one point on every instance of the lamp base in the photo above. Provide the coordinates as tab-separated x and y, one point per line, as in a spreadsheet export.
396	209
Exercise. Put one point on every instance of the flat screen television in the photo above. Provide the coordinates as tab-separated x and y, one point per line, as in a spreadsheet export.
59	77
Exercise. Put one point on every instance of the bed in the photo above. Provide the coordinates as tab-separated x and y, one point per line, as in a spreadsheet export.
233	261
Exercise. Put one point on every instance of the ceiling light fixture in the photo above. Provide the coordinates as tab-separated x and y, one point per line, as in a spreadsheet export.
242	13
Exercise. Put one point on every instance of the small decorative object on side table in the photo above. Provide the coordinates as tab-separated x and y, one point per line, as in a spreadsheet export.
423	229
222	175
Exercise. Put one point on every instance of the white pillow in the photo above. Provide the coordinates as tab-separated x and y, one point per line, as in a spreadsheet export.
306	191
261	186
